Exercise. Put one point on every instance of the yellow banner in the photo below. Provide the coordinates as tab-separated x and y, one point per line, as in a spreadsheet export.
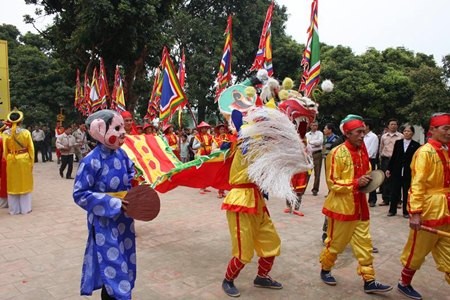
4	80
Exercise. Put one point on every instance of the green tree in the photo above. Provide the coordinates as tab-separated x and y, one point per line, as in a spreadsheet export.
37	85
130	33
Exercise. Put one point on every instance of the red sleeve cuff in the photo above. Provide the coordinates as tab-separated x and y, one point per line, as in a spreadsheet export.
355	184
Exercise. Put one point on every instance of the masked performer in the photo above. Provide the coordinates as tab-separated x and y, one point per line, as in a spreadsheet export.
19	153
428	204
110	256
346	207
268	141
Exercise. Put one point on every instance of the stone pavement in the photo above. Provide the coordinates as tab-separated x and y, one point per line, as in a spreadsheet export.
183	253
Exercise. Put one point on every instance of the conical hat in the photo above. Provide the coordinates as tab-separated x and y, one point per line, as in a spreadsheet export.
203	124
166	127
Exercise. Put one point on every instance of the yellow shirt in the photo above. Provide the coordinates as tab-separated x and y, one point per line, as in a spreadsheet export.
344	201
428	194
244	195
19	155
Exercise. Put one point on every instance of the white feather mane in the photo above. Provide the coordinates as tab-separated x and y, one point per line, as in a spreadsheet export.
274	151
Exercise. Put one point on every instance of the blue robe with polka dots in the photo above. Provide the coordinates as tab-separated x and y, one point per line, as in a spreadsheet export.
110	256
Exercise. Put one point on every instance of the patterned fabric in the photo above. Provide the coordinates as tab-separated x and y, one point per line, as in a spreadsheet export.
110	255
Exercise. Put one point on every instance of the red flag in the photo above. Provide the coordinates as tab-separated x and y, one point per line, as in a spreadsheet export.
103	88
78	92
263	57
224	75
153	103
182	69
117	97
86	107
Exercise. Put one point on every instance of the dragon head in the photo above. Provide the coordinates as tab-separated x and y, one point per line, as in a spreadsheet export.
301	110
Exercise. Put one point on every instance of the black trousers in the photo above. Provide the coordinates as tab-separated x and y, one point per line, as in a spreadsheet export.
317	158
386	186
105	295
66	161
373	195
39	147
400	187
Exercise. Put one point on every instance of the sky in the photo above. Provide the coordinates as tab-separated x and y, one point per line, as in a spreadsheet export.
418	25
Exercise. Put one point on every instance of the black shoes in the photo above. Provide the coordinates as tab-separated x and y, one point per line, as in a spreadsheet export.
409	291
230	289
391	214
61	173
327	277
267	282
374	287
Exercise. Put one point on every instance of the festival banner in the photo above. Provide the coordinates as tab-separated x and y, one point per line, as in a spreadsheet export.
311	55
263	57
224	75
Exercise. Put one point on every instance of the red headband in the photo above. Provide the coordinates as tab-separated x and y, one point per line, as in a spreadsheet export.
353	124
126	115
440	120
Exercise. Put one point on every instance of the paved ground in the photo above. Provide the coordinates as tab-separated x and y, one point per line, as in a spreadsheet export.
183	253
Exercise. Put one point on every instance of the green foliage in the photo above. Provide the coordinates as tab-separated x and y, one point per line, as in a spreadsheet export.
394	82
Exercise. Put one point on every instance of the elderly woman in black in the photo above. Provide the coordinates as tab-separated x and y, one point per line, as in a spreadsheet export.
400	171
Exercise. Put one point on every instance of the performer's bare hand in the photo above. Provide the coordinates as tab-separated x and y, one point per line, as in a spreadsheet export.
124	204
388	173
415	222
364	180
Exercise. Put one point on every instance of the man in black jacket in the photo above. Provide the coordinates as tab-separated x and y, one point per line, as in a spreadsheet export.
400	171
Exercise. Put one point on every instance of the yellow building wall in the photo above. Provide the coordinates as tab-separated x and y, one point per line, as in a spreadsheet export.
4	80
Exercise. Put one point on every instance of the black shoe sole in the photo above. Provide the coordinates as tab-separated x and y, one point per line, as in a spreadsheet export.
378	291
268	287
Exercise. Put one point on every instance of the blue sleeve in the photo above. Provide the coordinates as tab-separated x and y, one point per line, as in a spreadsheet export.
84	195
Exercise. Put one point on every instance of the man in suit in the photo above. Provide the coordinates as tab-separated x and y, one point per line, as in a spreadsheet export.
399	170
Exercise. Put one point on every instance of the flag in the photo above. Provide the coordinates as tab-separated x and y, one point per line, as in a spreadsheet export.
86	106
117	97
311	55
182	70
172	94
78	92
95	100
159	167
224	75
181	78
103	88
263	57
153	102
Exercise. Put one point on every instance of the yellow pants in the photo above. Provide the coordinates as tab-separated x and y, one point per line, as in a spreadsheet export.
253	232
356	233
420	243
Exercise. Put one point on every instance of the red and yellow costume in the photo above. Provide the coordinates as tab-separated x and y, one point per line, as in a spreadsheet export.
207	139
429	196
172	140
251	228
346	207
